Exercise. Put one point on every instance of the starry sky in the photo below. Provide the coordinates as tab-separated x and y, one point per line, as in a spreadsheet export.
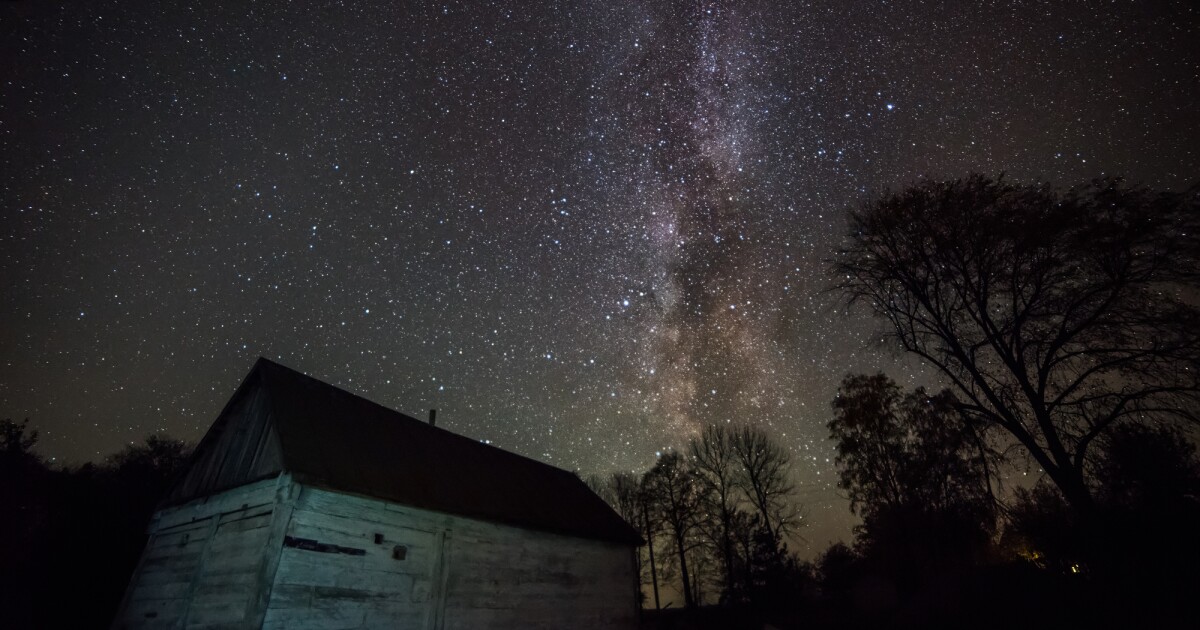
580	230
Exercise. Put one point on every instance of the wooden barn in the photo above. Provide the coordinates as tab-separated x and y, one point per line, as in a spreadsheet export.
306	506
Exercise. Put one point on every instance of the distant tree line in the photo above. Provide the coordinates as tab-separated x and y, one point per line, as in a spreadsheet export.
942	539
715	516
70	536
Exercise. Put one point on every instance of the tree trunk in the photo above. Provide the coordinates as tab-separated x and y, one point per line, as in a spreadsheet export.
688	602
1074	490
727	545
650	548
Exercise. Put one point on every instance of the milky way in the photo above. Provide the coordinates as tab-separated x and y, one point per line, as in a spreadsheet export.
580	230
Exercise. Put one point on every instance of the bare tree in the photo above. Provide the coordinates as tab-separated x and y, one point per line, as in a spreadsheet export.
674	492
1054	316
715	461
765	477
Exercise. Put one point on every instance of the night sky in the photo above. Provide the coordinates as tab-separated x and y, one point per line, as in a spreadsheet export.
580	231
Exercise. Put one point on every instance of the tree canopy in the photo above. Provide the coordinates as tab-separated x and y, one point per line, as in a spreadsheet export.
1054	315
915	474
898	450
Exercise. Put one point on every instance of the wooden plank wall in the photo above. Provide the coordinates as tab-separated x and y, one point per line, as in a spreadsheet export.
240	447
456	573
355	582
505	577
202	565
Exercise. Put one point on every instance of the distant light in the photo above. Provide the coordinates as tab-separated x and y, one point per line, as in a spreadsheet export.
891	106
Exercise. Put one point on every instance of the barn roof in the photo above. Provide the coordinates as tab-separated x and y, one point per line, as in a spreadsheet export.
282	420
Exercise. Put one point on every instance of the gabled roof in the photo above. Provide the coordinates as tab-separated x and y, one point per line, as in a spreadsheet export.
282	420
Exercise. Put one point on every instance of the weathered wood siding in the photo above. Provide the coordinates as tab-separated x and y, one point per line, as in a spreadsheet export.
351	581
504	577
241	446
453	573
208	562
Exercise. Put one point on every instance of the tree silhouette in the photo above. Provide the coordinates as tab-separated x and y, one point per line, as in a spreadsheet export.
1043	530
914	473
16	440
765	477
1143	467
99	527
897	450
1054	316
1148	484
76	530
674	493
1146	481
715	461
838	568
25	513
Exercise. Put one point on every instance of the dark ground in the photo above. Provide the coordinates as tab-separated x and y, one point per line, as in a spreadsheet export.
1002	597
